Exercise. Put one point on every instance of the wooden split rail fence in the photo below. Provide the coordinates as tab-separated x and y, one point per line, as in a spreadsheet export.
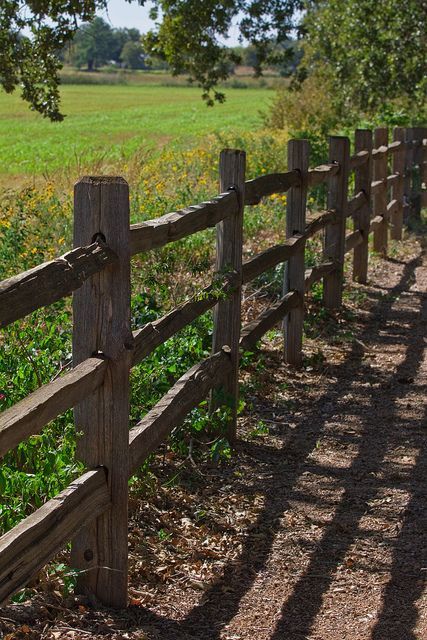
92	511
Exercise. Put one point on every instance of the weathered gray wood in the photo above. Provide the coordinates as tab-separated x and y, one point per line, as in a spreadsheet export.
380	151
359	158
397	146
375	223
275	313
407	179
51	281
229	243
271	257
31	414
380	172
339	152
353	240
155	333
282	252
356	203
171	410
377	186
418	133
361	217
30	545
322	173
314	274
180	224
298	158
102	325
392	207
259	188
319	222
392	179
423	168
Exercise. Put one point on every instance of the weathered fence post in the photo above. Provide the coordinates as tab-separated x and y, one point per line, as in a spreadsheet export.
362	182
397	190
380	172
298	158
229	247
101	311
418	156
407	173
424	168
339	152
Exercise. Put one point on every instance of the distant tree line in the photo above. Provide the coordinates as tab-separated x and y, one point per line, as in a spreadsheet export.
367	54
97	44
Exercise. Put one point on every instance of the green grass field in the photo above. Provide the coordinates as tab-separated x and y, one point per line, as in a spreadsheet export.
108	124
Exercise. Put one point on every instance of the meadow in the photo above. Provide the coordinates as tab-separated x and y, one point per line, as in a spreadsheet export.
106	125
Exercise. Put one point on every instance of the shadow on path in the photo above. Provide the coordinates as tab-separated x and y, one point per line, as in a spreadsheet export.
284	467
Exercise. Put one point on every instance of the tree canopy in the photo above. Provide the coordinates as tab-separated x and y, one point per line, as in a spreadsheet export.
368	48
96	43
189	36
373	52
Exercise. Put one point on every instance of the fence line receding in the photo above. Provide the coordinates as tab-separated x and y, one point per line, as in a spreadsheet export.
92	510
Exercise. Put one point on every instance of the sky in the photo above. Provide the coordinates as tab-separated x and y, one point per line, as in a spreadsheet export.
124	14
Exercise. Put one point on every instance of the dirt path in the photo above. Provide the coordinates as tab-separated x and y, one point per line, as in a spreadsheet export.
317	530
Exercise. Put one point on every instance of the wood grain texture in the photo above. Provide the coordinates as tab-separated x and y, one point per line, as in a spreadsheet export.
380	151
377	186
322	173
375	223
180	224
155	333
319	222
397	145
282	252
229	247
407	178
392	179
102	325
353	240
298	158
31	414
271	257
171	410
263	186
418	133
269	318
359	158
380	172
51	281
355	203
314	274
26	548
339	152
362	215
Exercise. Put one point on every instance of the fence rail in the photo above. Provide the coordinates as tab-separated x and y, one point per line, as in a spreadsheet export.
92	511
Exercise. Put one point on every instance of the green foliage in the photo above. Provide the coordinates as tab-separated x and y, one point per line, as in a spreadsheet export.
376	52
31	61
189	36
132	55
93	45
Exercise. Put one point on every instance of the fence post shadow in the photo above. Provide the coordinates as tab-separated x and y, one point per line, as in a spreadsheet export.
216	611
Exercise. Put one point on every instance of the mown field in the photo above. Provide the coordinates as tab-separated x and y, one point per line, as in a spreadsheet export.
106	125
